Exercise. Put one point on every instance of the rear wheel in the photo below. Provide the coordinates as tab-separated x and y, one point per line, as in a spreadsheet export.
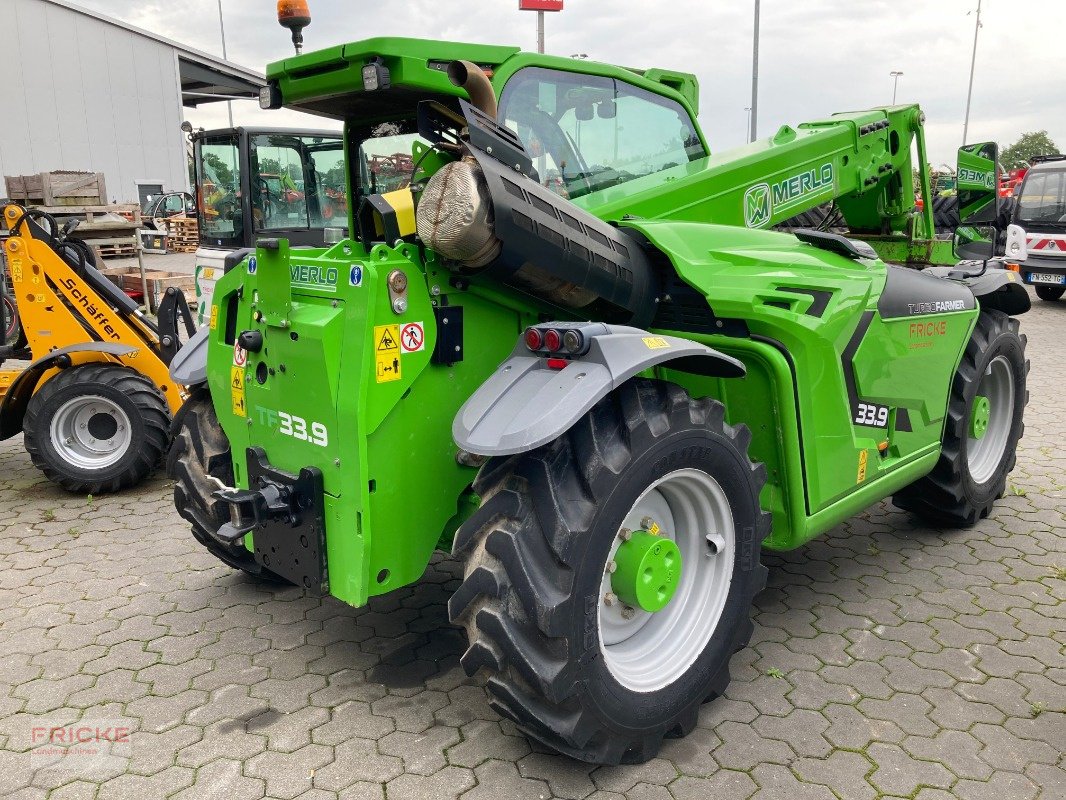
200	462
97	428
981	433
609	575
1050	293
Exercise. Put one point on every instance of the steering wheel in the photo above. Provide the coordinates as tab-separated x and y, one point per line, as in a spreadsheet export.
558	145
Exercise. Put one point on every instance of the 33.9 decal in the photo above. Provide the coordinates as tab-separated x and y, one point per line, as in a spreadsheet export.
871	414
296	427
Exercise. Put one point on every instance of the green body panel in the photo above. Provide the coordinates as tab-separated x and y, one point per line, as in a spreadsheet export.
394	487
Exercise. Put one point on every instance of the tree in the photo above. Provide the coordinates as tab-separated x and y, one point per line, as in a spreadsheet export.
1019	154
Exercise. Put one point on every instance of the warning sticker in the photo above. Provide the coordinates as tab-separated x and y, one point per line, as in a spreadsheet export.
655	342
387	353
236	387
214	317
240	355
862	467
412	337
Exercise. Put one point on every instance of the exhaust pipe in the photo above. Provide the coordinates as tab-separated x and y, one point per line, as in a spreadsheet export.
469	76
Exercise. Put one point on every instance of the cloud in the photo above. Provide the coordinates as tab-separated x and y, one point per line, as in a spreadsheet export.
817	57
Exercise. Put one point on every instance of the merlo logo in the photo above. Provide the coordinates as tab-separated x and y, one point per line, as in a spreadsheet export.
757	205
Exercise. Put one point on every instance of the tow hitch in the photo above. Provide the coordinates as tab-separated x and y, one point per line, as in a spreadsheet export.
285	515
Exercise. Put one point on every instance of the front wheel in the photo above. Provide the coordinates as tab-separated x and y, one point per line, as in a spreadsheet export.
609	575
201	462
97	428
1050	293
981	433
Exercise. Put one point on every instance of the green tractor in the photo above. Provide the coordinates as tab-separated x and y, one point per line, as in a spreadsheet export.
544	355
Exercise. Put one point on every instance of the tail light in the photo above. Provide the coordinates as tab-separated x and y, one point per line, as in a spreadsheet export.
534	339
553	341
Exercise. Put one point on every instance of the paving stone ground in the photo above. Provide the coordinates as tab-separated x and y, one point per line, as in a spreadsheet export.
889	660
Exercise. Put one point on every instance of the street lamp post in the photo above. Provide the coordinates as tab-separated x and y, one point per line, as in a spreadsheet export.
747	122
895	74
753	130
973	62
222	29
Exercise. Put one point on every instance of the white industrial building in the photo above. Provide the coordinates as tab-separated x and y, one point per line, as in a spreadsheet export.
86	92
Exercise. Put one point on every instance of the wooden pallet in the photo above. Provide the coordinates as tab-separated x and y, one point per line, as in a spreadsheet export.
115	250
184	234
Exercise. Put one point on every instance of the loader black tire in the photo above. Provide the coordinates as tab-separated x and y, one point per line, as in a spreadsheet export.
535	554
200	462
953	494
130	408
1050	293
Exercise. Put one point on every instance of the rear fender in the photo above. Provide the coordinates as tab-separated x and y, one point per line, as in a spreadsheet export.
188	367
527	403
995	288
14	402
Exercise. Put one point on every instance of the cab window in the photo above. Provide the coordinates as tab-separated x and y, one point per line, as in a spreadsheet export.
588	132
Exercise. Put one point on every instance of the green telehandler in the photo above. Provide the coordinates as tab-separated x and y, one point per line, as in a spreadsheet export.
569	351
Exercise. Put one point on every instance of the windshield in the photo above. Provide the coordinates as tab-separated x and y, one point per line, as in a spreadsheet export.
1043	197
297	181
385	162
587	132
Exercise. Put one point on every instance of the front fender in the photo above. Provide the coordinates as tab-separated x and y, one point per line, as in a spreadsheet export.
189	365
994	287
527	403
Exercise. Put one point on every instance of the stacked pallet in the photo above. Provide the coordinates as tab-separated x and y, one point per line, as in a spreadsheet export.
116	250
183	234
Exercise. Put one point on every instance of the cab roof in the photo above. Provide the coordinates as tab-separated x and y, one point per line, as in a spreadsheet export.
329	82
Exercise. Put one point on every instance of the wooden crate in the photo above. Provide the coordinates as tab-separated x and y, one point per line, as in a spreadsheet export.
128	279
59	188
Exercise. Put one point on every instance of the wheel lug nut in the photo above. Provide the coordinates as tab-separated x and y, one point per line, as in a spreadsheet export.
612	566
628	612
647	523
610	598
625	534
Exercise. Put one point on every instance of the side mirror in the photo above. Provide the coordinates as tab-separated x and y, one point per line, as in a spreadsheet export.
973	244
1016	248
584	112
606	109
978	183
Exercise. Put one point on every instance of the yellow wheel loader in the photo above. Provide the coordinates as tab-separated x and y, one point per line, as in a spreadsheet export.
94	398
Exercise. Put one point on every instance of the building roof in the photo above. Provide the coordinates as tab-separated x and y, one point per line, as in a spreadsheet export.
204	78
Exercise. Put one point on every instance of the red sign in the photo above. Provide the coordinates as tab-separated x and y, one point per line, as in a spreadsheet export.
540	5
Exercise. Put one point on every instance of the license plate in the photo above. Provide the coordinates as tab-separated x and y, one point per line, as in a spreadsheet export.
1043	277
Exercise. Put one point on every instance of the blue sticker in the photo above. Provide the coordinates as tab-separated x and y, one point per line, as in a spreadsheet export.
355	277
252	265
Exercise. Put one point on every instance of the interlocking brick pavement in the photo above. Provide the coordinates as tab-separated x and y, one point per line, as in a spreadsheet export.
889	660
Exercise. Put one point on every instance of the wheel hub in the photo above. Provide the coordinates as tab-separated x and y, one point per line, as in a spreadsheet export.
648	571
979	417
91	432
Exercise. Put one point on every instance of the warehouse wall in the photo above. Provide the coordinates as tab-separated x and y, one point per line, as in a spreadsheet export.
79	94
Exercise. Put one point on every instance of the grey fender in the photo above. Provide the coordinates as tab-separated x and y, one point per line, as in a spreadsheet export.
997	288
13	404
525	403
189	366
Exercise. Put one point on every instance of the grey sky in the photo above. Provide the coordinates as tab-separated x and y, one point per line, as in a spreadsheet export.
818	56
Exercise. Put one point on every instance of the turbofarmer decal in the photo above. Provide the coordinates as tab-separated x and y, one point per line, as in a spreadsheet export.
763	200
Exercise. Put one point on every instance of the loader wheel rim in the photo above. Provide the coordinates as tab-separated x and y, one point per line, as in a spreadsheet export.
91	432
988	439
648	650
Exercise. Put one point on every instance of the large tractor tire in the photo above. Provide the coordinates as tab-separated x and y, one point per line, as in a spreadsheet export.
981	433
200	462
97	428
946	213
609	575
1050	293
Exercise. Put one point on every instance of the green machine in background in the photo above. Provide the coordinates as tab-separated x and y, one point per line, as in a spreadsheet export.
571	351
